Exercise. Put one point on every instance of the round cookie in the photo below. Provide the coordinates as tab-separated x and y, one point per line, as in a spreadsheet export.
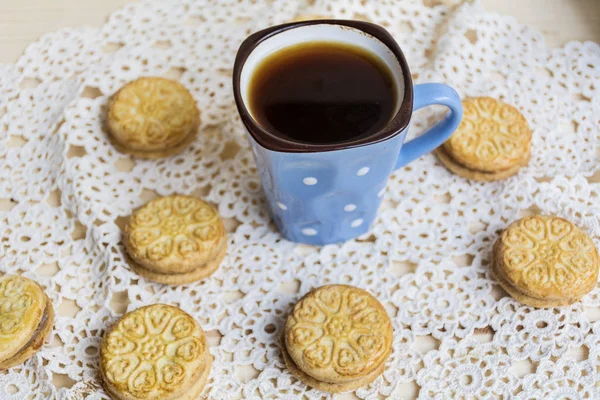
338	335
174	235
493	136
545	261
491	143
152	118
26	319
155	352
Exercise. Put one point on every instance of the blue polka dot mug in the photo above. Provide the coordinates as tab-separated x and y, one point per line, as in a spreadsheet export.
322	193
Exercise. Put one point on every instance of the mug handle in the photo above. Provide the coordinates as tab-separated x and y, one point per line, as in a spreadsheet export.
428	94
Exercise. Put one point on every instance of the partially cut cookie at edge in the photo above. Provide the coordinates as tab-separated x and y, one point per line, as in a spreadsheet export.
26	320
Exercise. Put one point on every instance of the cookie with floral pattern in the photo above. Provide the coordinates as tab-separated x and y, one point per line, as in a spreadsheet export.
545	261
155	352
337	338
491	143
152	117
175	239
26	319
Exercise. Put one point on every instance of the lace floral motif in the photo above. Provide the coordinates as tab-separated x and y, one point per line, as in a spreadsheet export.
66	191
465	369
443	301
538	334
565	379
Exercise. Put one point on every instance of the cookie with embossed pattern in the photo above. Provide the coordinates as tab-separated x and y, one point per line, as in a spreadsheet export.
337	338
26	319
465	172
156	352
152	117
175	239
545	261
180	279
491	143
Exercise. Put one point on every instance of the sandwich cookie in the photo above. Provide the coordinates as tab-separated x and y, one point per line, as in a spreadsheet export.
152	118
337	338
26	319
491	143
175	239
157	352
545	261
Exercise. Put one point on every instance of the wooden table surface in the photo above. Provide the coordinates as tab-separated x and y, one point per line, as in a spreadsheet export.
24	21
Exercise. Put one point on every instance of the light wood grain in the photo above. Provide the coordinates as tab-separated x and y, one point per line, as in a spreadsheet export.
24	21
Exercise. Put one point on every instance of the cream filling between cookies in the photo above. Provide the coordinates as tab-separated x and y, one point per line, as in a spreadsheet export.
522	162
222	244
371	374
35	334
501	276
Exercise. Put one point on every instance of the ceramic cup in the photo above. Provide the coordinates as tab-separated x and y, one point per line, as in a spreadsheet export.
330	192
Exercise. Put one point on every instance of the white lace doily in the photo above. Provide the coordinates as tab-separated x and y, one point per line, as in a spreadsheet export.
66	191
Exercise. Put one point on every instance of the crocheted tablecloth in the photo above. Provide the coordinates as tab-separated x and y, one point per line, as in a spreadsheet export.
65	193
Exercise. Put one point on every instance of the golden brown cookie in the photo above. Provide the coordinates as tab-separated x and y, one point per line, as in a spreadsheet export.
176	235
337	338
26	319
545	261
152	118
156	352
491	143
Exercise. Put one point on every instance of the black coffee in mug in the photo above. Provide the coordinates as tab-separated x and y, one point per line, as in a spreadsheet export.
322	92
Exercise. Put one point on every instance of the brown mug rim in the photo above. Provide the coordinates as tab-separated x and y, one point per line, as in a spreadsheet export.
276	143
